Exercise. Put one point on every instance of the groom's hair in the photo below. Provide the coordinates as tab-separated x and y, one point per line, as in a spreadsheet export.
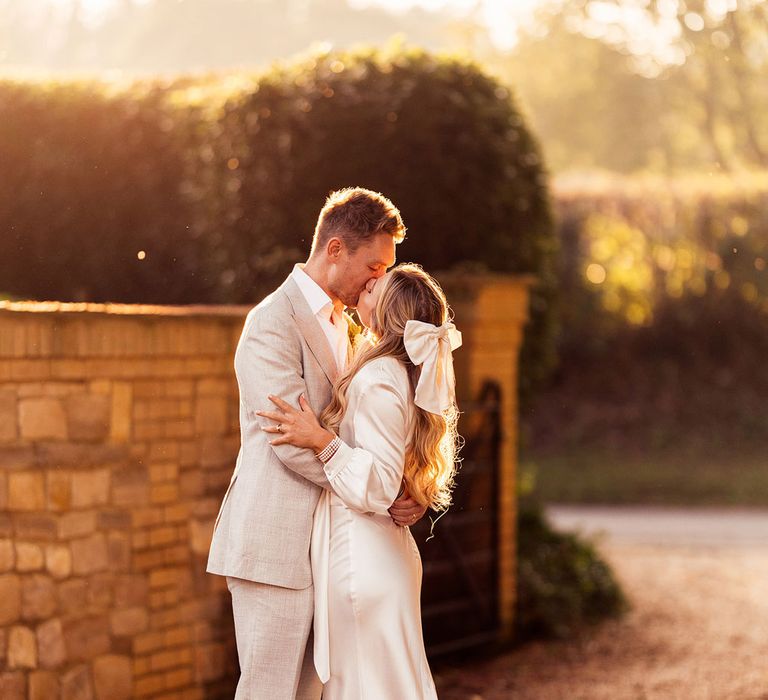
356	215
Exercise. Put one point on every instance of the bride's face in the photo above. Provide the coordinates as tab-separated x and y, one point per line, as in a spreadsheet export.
370	297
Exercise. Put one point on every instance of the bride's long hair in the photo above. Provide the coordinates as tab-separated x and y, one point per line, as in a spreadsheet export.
430	457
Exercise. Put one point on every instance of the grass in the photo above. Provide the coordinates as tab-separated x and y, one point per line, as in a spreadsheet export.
664	477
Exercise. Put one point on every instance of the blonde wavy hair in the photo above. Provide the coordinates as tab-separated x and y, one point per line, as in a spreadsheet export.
430	458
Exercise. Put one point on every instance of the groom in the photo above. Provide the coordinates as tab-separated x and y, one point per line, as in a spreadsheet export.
295	341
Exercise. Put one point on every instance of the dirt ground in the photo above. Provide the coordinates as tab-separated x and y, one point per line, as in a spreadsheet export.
697	630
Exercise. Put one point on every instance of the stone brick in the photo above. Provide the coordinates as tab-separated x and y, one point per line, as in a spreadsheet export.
181	388
76	684
13	686
43	685
164	577
200	533
59	489
42	419
100	386
148	641
211	415
163	535
163	451
22	648
70	369
35	526
114	519
89	554
178	636
169	658
213	386
38	597
58	561
9	428
78	455
164	493
191	483
86	637
189	453
72	595
210	662
118	551
130	487
88	416
129	621
178	678
50	644
113	677
218	452
145	517
10	598
100	593
177	513
90	488
122	400
7	555
179	428
29	557
149	685
163	471
130	590
26	491
77	524
12	457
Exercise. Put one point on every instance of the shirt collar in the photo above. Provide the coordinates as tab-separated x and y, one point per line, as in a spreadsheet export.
312	291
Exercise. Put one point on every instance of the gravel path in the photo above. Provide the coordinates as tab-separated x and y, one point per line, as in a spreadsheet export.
698	629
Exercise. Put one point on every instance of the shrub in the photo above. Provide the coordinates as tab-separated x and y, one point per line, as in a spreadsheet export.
562	583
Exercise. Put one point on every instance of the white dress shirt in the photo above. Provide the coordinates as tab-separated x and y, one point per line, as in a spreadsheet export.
330	319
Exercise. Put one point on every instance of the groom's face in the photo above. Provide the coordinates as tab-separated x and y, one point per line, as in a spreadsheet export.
353	270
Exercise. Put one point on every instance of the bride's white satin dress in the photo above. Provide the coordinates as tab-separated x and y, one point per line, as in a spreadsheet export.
368	642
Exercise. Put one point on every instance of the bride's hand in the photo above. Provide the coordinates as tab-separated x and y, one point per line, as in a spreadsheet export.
298	427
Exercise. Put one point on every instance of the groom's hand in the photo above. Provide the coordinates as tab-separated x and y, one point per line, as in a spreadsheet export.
405	511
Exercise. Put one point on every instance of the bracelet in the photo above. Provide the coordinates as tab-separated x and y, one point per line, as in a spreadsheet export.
329	450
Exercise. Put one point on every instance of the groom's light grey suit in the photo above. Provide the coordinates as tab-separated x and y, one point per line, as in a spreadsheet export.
262	533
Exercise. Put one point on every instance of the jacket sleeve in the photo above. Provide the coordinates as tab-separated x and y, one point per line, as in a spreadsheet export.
268	361
367	477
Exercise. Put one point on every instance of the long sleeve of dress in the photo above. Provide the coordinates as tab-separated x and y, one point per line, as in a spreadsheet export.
367	477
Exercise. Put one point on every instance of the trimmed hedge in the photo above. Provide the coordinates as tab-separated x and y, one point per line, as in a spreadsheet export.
220	180
89	179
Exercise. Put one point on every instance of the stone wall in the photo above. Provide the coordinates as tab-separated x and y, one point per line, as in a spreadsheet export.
118	430
118	435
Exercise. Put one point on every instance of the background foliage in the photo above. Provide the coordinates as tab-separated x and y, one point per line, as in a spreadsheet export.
659	393
207	190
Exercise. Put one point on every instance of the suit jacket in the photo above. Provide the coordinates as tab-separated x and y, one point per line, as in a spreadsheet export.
263	529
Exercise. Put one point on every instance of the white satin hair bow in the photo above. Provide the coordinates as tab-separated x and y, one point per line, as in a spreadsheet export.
431	346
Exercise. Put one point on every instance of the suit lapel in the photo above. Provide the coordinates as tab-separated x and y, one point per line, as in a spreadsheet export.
311	330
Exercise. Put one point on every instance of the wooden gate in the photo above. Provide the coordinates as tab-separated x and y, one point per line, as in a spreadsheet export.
460	585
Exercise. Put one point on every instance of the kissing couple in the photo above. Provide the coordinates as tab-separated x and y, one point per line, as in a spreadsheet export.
344	445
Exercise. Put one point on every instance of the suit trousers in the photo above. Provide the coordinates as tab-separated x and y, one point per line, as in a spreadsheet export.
273	628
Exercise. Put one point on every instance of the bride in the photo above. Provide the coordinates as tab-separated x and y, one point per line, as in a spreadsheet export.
390	427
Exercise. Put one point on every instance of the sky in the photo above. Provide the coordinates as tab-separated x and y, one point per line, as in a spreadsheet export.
500	16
